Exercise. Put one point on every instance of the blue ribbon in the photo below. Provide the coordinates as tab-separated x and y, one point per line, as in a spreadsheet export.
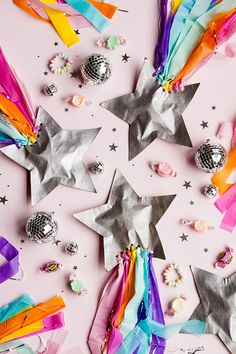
13	308
95	17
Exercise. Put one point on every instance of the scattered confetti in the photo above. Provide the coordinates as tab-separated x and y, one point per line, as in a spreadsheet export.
187	184
204	124
213	108
184	237
3	200
57	242
125	58
113	147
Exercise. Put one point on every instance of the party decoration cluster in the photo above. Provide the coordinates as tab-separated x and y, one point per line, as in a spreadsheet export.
65	15
190	34
23	317
129	317
17	117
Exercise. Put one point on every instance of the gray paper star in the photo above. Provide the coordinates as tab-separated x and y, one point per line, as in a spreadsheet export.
55	158
127	219
218	305
152	113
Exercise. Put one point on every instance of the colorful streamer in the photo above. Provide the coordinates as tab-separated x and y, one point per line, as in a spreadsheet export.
64	15
17	117
190	33
133	320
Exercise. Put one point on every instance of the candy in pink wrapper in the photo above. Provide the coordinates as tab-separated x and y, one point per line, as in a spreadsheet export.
164	169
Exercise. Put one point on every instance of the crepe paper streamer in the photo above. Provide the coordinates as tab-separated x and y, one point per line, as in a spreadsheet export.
115	336
206	48
97	334
226	204
55	343
8	131
16	118
62	26
15	91
24	5
31	316
155	308
131	311
158	51
21	332
220	178
94	16
194	34
10	253
50	323
129	288
16	306
17	347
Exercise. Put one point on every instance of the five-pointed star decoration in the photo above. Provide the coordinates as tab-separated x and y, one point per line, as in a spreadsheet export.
218	305
187	184
127	219
3	200
204	124
55	158
152	113
184	237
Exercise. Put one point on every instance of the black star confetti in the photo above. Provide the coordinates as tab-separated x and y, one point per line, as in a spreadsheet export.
22	241
213	108
205	250
125	58
56	44
57	242
75	268
3	200
113	147
77	31
184	237
204	124
74	74
80	86
66	109
187	184
45	73
191	202
114	130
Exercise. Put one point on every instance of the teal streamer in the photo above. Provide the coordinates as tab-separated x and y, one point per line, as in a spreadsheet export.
17	346
9	132
13	308
191	10
131	311
194	31
95	17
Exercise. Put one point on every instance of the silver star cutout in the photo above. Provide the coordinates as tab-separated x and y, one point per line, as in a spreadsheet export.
152	113
55	158
127	219
218	305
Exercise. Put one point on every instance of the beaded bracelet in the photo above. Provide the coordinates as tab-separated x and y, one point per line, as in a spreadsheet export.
55	68
166	275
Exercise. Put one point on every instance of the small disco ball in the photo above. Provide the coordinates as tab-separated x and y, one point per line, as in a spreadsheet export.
210	157
95	69
72	248
42	227
50	89
210	191
97	167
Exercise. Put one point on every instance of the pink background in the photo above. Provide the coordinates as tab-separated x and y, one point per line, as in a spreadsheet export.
23	39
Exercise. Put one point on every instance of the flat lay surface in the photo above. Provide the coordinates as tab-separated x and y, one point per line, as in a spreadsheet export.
29	45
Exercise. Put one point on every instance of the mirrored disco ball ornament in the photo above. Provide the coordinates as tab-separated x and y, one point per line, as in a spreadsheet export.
72	248
42	227
210	157
97	167
95	69
210	191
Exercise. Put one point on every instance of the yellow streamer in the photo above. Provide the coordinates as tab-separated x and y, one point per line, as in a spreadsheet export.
175	5
62	26
37	326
